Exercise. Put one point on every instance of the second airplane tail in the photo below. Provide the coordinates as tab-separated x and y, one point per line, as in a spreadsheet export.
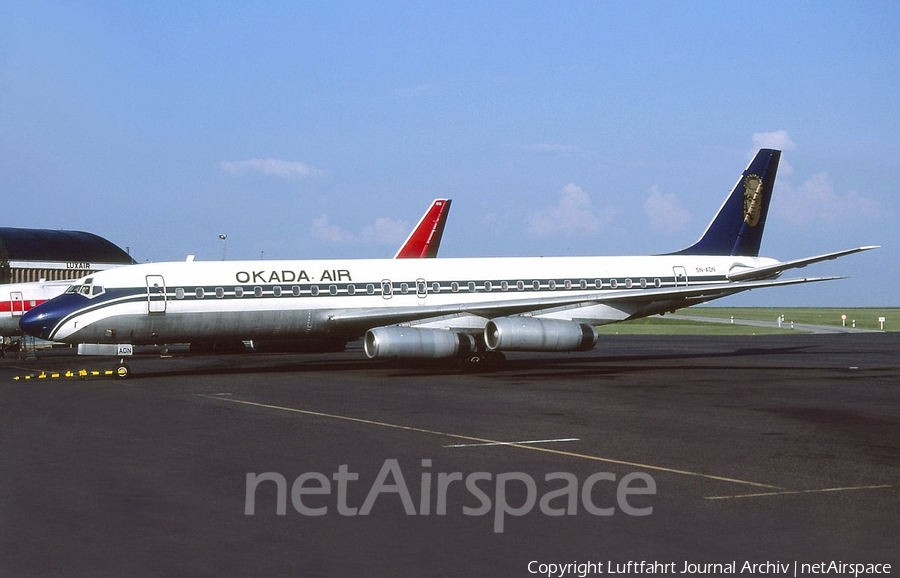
737	228
425	239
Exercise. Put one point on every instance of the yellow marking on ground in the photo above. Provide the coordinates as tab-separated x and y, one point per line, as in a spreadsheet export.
69	373
490	441
796	492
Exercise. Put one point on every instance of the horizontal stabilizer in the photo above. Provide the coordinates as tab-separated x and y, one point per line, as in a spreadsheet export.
778	268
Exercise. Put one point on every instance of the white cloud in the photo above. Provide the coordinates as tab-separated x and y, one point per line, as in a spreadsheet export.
665	212
383	231
289	170
323	230
779	140
572	215
816	201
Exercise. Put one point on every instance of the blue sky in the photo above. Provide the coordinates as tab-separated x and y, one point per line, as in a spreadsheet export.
324	129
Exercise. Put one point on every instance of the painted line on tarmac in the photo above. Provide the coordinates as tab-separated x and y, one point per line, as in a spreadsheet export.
536	448
68	374
524	442
797	492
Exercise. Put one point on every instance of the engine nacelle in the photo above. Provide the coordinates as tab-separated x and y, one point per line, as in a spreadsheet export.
411	342
534	334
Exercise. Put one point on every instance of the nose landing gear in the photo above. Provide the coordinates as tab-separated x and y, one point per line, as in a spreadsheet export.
121	369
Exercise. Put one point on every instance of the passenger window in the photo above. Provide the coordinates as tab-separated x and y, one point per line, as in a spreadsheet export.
472	286
220	292
199	292
179	293
332	289
238	292
295	291
351	289
257	291
454	287
314	290
370	289
276	291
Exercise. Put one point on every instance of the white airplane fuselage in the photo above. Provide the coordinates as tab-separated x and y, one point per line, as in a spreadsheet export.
173	302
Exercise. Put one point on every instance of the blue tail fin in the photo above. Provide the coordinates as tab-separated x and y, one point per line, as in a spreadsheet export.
738	226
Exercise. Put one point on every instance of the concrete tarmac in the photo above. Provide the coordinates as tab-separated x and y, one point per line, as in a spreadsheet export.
778	449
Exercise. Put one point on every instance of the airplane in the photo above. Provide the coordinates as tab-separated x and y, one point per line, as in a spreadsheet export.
472	309
18	298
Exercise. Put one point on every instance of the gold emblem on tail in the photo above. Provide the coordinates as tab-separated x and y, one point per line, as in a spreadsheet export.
753	186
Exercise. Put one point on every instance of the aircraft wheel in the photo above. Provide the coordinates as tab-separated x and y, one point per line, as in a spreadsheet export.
471	363
122	370
478	363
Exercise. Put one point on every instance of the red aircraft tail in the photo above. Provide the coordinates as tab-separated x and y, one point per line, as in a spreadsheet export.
425	239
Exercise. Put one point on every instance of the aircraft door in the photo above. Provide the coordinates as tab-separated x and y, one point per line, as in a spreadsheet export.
681	278
156	294
16	303
421	288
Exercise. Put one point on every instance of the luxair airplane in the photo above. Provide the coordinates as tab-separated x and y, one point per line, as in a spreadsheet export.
17	298
472	309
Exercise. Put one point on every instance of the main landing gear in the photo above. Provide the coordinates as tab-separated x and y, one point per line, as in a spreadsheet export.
484	361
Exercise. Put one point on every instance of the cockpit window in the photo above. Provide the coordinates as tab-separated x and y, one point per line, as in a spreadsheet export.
88	288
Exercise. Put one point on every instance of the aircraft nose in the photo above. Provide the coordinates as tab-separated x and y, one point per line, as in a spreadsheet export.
43	319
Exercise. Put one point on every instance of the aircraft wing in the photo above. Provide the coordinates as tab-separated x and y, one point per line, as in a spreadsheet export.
778	268
641	301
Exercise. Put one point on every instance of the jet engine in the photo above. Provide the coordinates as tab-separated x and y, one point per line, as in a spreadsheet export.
384	342
534	334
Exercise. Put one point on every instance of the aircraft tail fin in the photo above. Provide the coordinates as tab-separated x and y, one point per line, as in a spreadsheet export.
738	226
425	239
